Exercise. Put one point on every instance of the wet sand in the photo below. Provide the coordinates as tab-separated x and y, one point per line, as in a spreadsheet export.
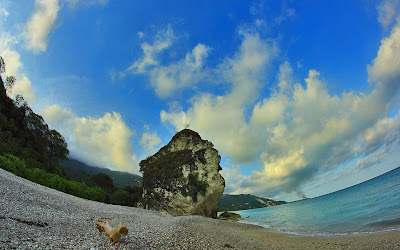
271	239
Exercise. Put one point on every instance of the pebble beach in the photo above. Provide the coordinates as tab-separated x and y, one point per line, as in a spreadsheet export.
37	217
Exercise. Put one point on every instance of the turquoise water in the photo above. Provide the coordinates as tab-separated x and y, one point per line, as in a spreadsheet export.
371	206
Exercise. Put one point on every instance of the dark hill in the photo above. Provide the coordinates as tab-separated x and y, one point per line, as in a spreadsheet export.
82	172
229	202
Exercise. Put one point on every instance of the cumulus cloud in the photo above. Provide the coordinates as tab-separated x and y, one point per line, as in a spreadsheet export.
168	78
387	11
314	131
14	67
222	117
300	130
43	19
12	60
233	179
40	24
103	141
23	87
162	41
385	68
149	142
188	71
383	135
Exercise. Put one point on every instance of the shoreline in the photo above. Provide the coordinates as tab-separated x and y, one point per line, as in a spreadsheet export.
274	239
36	217
366	233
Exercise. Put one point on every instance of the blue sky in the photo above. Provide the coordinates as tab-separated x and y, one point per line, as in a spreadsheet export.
299	97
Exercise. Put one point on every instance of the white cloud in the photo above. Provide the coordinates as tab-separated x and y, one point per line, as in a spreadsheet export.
74	3
385	132
104	141
311	131
188	71
387	11
162	41
222	117
4	13
42	21
23	87
385	67
233	179
40	24
14	68
166	79
12	60
300	130
149	142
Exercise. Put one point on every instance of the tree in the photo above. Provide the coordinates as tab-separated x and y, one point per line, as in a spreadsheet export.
10	81
122	197
26	134
104	181
136	193
58	146
2	65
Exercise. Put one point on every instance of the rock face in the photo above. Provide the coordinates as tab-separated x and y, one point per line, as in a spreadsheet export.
183	178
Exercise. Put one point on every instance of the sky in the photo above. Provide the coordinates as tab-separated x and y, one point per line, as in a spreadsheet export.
300	98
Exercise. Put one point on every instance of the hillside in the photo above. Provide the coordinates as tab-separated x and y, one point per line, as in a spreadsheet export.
82	172
244	201
26	135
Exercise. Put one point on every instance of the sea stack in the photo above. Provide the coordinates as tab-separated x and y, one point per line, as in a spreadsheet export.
183	177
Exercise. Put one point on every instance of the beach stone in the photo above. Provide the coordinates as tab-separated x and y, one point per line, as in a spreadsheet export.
183	177
230	216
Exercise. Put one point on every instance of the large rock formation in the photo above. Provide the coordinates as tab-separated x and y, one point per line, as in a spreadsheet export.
183	178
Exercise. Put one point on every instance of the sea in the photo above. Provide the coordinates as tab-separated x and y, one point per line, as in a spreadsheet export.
369	207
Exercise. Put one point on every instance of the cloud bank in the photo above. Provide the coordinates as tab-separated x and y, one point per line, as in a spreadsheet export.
104	141
301	129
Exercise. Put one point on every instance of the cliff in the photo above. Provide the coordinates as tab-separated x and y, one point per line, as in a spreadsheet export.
183	178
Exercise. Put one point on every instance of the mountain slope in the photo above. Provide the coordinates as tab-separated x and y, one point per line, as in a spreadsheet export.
229	202
82	172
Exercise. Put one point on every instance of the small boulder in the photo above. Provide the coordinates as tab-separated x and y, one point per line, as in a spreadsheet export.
230	216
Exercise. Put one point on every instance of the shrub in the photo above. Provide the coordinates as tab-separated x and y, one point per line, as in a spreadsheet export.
18	167
122	197
199	185
165	168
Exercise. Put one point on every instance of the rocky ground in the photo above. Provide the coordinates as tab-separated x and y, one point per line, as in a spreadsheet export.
33	216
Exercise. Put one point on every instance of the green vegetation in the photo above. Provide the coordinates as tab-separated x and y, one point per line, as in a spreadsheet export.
104	181
18	167
26	135
165	168
230	216
128	197
188	133
198	185
30	149
82	172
